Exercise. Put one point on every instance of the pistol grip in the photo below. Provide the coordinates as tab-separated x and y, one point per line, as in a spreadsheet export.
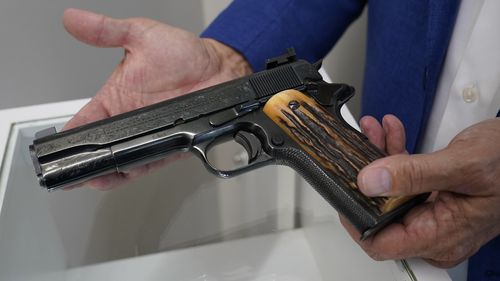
329	154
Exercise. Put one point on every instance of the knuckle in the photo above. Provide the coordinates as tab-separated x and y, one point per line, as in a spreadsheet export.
414	175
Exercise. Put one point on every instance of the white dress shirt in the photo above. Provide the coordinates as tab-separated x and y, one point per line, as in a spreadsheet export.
469	88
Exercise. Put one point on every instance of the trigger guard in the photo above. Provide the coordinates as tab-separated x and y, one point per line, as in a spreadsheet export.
251	144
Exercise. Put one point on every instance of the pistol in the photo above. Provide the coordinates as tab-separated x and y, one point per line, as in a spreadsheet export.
284	115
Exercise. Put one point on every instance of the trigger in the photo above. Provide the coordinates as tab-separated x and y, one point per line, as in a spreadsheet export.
251	144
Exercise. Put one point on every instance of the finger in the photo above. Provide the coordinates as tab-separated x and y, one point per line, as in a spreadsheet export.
95	29
408	175
373	131
395	138
386	244
397	240
429	231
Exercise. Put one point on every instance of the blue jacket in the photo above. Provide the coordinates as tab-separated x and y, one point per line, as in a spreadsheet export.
406	48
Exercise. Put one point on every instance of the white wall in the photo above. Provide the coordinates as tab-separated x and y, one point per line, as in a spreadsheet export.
211	8
40	62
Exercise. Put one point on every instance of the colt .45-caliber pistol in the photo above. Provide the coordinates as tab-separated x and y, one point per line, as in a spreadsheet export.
285	114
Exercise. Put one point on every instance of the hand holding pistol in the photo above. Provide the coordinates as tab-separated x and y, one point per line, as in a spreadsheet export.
284	115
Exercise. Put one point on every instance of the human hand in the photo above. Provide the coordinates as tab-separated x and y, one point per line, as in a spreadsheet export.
463	212
160	62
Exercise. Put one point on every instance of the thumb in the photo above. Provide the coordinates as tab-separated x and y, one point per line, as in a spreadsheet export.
95	29
410	174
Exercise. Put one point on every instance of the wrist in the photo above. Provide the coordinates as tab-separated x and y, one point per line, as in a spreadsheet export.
228	60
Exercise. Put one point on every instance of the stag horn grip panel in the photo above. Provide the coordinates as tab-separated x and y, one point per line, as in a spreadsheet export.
340	151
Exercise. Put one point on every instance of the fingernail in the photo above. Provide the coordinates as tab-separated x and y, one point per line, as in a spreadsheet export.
376	182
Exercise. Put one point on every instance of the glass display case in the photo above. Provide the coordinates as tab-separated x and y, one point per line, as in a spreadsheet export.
178	223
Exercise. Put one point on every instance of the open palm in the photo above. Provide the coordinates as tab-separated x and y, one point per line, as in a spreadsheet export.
160	62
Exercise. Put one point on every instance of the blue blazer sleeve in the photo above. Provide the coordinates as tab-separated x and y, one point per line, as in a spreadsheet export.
260	29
